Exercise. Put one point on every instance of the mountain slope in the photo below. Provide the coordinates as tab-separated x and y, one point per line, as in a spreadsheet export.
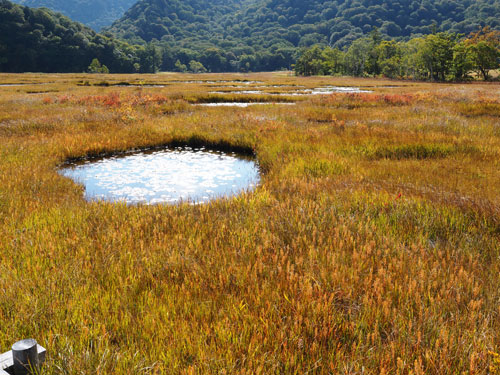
175	19
298	22
266	34
39	40
93	13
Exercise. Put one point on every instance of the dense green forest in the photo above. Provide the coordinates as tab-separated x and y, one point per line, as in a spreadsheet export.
195	33
172	20
439	56
39	40
245	35
265	34
93	13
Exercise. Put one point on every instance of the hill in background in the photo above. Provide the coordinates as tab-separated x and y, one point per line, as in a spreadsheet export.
182	21
298	22
93	13
40	40
265	34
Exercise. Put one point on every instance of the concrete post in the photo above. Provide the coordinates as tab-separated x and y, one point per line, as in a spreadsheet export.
25	357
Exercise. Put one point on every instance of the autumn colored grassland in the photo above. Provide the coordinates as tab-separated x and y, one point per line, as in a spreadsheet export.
372	245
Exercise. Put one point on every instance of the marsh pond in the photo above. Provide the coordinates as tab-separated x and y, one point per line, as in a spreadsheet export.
168	175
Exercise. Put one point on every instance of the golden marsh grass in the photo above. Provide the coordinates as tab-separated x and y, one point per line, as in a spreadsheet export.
372	245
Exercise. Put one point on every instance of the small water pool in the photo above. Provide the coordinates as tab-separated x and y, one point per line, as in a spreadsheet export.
330	90
240	104
300	92
158	176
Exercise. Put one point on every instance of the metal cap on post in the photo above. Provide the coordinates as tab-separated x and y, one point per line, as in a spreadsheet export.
25	357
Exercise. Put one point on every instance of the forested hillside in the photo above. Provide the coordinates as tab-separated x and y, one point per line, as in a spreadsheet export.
222	35
176	20
340	22
39	40
93	13
265	34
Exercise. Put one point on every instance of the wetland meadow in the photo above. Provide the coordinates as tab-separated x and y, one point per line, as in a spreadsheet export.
369	245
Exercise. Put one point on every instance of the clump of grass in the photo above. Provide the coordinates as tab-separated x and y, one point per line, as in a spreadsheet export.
316	168
83	83
235	98
172	107
420	151
495	363
415	151
319	114
479	109
363	100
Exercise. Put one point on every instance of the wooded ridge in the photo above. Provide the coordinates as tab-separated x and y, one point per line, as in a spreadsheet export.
258	35
93	13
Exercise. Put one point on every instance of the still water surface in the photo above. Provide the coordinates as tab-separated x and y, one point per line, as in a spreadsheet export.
239	104
165	176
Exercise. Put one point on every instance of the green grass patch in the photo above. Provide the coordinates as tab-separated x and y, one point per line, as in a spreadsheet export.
235	98
413	151
476	109
316	168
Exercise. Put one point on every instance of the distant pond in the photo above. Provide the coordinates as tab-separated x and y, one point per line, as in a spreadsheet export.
165	176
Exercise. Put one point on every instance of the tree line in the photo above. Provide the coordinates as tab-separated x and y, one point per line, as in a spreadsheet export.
440	56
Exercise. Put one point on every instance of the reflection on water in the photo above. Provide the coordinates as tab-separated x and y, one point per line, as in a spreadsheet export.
165	176
133	85
242	105
257	87
329	90
219	81
316	91
238	92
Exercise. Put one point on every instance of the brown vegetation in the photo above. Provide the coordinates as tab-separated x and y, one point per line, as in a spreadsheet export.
372	245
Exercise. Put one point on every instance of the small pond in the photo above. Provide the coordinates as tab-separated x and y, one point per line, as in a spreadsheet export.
134	85
220	81
15	84
238	92
302	92
240	104
330	90
165	176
